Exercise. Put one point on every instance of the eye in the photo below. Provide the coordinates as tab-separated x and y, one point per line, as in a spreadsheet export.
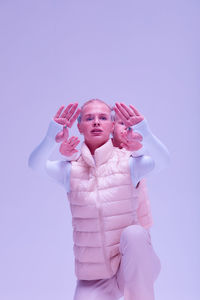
88	118
103	118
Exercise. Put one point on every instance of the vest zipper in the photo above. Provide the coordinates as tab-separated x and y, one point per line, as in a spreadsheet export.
107	260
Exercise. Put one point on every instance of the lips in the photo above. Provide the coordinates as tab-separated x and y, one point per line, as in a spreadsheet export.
96	130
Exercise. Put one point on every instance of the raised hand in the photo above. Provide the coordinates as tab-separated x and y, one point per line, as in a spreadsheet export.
68	147
129	115
68	116
131	140
62	135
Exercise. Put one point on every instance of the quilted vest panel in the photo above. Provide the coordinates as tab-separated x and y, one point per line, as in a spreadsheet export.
103	202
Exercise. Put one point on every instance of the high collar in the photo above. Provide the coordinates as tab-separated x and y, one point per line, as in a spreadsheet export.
101	154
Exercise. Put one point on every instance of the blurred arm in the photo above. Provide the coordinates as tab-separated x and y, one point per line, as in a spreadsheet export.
38	159
157	155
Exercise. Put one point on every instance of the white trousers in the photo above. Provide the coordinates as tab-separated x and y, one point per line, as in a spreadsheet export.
135	277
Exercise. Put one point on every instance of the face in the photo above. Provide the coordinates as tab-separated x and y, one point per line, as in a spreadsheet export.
119	127
96	124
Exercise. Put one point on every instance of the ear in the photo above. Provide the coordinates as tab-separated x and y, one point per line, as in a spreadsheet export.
80	128
113	127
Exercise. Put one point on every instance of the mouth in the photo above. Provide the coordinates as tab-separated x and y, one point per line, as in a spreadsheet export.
96	131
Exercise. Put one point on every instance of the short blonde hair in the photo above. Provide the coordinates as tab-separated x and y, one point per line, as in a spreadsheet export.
91	101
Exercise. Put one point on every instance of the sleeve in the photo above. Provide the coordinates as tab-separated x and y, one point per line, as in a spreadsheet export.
156	155
74	156
38	159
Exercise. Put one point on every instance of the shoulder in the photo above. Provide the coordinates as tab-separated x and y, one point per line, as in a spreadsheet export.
78	162
122	153
57	165
142	165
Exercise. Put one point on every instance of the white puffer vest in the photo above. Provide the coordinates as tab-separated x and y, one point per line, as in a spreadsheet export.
103	202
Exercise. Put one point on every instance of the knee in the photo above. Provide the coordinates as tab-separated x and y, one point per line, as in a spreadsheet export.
158	268
134	234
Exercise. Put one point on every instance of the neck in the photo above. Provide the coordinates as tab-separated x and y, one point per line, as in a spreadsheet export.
93	147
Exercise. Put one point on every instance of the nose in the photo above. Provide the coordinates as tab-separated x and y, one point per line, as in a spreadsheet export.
96	121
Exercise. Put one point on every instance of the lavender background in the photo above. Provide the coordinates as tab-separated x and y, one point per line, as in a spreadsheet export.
54	52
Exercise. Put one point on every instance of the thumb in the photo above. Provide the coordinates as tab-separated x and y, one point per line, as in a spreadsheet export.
65	132
129	133
59	136
137	136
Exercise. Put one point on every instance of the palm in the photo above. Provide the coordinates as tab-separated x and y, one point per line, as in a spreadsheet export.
62	135
131	140
129	115
68	116
68	147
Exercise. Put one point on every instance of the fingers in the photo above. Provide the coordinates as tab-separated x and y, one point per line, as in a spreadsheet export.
66	117
123	138
127	109
123	111
73	141
137	136
60	121
121	116
139	146
75	116
68	114
135	110
59	112
131	135
130	116
67	147
75	144
65	112
74	151
127	114
134	146
72	110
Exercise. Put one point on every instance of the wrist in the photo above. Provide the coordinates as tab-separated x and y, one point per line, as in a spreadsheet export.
53	129
142	127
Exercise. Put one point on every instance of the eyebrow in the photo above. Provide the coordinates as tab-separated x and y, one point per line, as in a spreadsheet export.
101	114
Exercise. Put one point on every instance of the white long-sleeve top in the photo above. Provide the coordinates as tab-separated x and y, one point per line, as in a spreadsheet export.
153	157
